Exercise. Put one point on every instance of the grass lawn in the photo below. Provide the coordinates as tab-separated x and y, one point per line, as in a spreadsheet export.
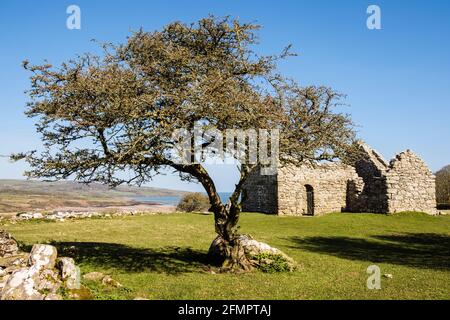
161	256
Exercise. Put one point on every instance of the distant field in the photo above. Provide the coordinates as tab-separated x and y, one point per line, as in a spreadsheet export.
161	256
18	195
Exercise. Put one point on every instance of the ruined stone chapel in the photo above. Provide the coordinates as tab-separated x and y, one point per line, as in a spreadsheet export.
371	185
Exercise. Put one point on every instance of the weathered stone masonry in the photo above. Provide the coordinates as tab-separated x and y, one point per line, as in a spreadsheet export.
372	185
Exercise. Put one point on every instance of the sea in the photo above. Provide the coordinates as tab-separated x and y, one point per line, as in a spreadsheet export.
173	200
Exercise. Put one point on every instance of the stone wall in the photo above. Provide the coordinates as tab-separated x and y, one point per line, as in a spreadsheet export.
371	185
404	184
260	193
410	185
370	195
285	193
328	182
39	275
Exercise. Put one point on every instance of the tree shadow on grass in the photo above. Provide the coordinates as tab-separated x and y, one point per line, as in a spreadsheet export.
171	260
418	250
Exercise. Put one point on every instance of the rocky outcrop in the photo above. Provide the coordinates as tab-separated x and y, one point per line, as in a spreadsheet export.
43	256
253	247
69	272
38	275
265	257
8	246
22	284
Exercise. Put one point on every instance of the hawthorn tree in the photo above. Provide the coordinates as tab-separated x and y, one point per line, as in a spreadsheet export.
104	118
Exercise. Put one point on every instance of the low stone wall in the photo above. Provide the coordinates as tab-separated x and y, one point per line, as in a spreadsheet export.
65	215
38	275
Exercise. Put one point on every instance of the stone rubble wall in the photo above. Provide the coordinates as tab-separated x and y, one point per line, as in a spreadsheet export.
404	184
371	196
329	183
410	185
63	215
8	245
39	275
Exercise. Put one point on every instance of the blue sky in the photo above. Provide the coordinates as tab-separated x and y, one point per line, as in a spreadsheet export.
397	79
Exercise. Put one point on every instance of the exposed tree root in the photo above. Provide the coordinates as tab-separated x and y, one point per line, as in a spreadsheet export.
230	256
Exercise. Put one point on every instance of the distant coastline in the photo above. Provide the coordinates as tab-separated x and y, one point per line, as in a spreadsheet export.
170	200
31	195
28	196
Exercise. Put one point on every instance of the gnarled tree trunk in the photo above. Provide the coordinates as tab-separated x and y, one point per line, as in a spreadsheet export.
226	250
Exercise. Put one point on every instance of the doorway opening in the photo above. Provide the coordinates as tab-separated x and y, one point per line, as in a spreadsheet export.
309	200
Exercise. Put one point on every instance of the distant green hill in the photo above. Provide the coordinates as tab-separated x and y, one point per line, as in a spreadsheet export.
67	188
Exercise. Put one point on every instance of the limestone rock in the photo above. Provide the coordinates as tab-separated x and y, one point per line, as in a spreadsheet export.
34	276
8	245
3	278
105	279
108	281
69	272
20	260
31	215
94	276
11	261
82	293
21	285
253	247
48	281
3	283
30	284
43	256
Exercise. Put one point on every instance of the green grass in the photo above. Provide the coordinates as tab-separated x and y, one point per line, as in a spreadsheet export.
161	257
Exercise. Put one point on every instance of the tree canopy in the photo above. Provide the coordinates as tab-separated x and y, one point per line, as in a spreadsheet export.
100	116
